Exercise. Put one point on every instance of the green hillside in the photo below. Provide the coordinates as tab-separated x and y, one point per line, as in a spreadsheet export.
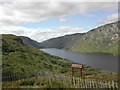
20	58
28	41
61	42
103	39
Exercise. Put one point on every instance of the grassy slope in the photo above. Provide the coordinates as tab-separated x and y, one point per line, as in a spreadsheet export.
20	58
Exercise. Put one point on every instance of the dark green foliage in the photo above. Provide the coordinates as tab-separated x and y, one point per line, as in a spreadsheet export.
27	83
23	59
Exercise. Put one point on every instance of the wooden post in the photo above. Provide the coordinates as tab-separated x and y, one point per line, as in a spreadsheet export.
72	71
81	72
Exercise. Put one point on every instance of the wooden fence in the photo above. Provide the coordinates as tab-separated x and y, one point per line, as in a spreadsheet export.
79	82
69	81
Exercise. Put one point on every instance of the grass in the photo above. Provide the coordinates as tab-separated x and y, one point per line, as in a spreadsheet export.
51	82
43	81
18	58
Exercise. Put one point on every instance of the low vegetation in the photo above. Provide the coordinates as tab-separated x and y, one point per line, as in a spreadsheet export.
23	59
62	81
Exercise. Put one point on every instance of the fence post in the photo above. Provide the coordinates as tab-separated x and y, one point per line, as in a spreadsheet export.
109	84
93	83
116	85
9	78
78	82
73	80
106	84
71	83
102	84
85	83
113	84
81	81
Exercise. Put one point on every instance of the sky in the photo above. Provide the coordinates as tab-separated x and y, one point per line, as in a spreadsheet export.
42	20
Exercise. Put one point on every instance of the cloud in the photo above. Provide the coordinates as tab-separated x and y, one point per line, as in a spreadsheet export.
109	19
60	0
13	13
45	34
16	30
40	34
62	20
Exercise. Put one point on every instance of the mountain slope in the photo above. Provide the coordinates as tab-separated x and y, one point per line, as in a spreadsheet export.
102	39
31	42
20	58
61	42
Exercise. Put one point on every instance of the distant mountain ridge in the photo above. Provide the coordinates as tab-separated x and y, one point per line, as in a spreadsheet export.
61	42
28	41
103	39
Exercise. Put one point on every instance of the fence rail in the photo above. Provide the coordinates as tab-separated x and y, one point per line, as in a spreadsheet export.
77	82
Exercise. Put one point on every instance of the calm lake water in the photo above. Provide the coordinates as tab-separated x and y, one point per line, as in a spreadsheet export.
104	61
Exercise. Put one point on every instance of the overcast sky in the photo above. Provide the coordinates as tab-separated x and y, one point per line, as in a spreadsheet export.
44	20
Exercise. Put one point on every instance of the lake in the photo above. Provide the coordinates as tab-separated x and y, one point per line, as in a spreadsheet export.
108	62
